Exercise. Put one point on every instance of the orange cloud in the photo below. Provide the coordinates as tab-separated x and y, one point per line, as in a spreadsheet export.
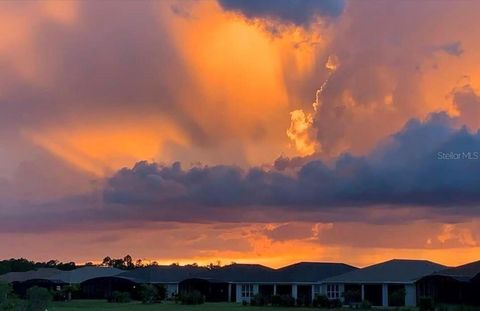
103	148
205	243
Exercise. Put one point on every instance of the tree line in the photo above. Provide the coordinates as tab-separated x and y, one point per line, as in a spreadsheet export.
22	265
125	263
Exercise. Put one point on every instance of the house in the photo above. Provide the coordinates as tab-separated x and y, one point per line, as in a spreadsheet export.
458	285
21	281
233	283
298	281
82	274
246	280
390	283
17	277
54	279
168	276
305	277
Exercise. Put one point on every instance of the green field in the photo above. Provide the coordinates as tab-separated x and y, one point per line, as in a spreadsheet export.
83	305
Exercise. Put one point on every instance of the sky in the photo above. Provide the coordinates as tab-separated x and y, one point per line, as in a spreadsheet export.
240	131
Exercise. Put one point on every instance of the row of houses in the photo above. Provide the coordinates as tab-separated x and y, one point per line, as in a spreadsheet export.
391	283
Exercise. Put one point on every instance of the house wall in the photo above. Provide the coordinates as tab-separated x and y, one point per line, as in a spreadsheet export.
410	295
324	290
238	293
171	290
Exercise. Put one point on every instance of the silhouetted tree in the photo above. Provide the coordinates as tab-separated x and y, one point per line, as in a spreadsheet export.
128	262
107	261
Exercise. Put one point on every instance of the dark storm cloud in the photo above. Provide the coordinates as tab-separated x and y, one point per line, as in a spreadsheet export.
300	13
413	167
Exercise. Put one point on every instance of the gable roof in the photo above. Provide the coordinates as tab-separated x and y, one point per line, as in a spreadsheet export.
80	275
464	272
312	271
392	271
40	273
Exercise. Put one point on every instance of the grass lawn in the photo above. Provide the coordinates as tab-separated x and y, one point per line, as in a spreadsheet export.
100	305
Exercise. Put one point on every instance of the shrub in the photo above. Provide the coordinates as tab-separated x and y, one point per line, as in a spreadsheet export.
192	298
38	298
426	304
352	296
258	300
365	305
397	298
120	297
321	301
244	303
8	300
276	300
335	303
149	294
283	300
162	292
67	293
5	292
299	302
287	301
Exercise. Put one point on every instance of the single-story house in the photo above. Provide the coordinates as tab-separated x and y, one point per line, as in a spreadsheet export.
454	285
168	276
21	281
239	280
300	280
233	283
40	273
82	274
55	279
390	283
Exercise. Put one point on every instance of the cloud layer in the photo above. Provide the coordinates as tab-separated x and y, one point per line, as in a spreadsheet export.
429	163
87	88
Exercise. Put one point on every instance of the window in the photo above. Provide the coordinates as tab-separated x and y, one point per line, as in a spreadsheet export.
247	290
317	290
333	291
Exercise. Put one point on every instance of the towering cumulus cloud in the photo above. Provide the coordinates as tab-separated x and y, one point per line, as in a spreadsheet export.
301	131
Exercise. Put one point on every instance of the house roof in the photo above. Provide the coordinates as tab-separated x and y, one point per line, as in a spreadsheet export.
312	271
164	274
464	272
300	272
392	271
40	273
244	273
79	275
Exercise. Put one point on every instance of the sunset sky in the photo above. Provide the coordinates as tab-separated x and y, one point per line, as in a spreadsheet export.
263	132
